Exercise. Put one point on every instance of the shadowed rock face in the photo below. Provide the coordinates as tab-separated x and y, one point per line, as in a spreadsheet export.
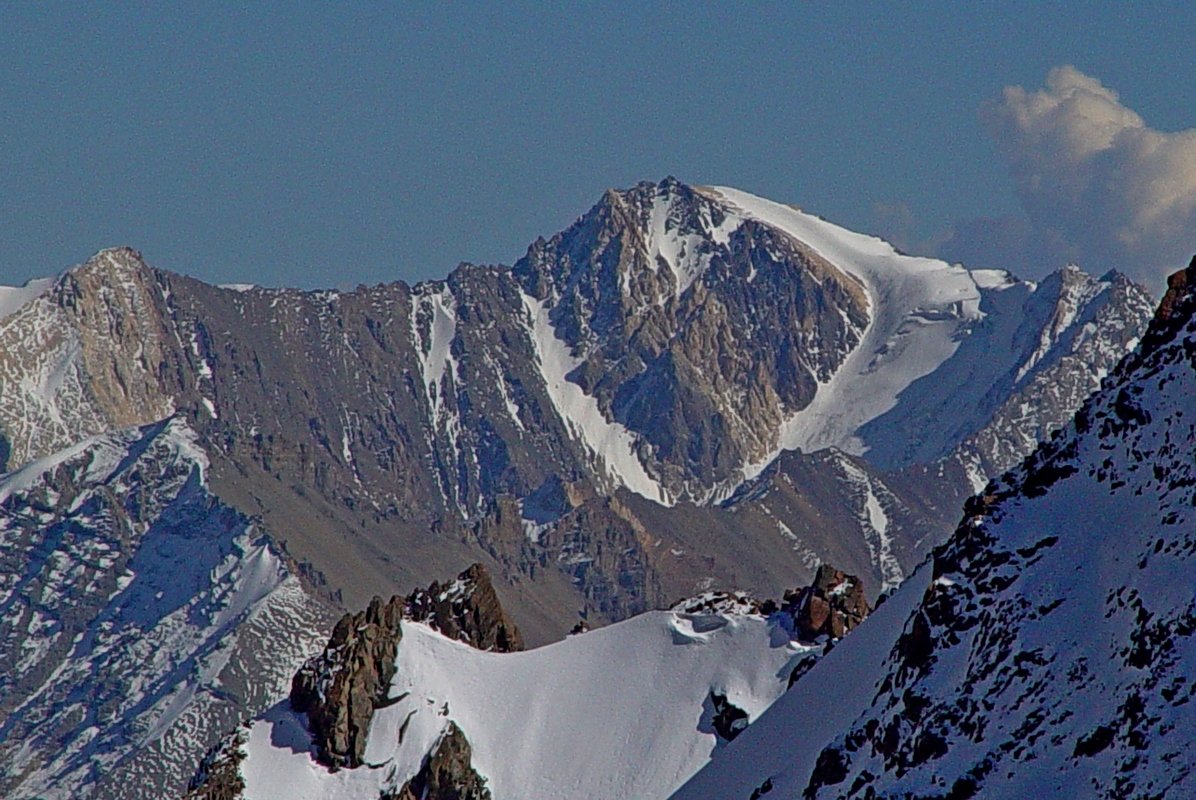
340	689
466	609
728	720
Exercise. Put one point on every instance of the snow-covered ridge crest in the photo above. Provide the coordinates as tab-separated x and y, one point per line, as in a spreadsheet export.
635	731
919	307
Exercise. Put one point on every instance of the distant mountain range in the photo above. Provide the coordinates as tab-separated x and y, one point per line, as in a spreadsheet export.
690	388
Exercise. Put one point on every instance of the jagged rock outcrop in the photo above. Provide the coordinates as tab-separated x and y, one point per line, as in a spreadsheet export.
340	689
722	602
831	606
466	609
447	774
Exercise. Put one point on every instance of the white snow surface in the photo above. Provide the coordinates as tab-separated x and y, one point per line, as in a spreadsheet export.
620	712
433	328
821	705
918	308
12	298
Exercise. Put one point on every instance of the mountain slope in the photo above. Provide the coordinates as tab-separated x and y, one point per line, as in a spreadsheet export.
1049	646
141	617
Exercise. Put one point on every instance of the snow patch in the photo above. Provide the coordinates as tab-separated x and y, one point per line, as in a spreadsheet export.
12	298
874	523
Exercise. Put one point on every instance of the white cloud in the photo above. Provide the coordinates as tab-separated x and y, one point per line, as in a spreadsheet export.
1097	185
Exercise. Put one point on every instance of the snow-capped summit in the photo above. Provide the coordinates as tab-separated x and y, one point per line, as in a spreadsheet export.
704	330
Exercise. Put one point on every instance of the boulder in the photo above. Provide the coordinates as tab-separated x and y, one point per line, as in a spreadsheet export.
832	605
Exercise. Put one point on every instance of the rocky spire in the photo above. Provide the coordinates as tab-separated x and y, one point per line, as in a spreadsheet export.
466	609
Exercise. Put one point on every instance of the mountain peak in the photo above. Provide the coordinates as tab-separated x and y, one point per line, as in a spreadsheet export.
121	257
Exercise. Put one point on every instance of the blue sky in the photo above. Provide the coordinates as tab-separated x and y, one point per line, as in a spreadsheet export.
308	145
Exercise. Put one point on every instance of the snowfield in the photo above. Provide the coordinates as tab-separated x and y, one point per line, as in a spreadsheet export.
13	298
620	712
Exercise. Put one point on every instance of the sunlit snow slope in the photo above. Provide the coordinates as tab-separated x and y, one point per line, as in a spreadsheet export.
945	346
620	712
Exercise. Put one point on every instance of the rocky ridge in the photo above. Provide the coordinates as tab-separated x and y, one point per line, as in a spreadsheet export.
830	607
340	689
